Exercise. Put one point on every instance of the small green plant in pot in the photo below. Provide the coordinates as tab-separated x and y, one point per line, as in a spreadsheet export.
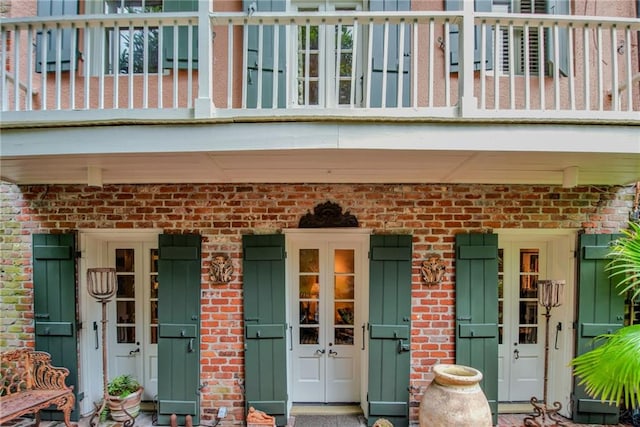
125	394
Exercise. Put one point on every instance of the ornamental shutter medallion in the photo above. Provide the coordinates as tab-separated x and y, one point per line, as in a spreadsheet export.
263	272
183	37
477	309
394	57
255	55
54	295
600	311
179	273
389	328
48	8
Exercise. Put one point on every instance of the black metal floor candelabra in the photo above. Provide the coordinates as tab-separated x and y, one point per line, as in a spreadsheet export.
549	296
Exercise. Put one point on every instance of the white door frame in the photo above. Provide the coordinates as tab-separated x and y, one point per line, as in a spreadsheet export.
92	245
336	234
561	264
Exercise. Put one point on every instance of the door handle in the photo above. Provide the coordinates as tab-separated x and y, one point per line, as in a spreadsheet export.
333	353
516	354
320	351
190	346
132	352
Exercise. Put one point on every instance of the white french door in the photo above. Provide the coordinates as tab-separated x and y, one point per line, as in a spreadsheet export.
133	314
521	327
326	280
327	58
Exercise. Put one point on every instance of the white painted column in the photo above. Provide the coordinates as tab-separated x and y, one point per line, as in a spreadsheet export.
204	107
467	103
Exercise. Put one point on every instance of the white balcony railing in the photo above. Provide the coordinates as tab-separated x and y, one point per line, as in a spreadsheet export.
357	64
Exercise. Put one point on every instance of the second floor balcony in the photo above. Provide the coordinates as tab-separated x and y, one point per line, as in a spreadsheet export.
349	64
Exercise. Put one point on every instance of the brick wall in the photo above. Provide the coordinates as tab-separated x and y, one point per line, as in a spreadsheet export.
433	214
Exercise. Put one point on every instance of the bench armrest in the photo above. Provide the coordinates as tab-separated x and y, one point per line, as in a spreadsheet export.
46	376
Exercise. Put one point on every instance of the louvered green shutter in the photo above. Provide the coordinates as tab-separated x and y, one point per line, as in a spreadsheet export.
268	63
558	7
479	6
54	294
179	270
600	311
183	36
393	57
48	8
263	272
389	328
477	309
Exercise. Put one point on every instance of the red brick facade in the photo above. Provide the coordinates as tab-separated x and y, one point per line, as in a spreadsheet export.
432	213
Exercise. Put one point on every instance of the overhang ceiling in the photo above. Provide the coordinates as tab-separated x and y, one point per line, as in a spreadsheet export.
323	153
330	166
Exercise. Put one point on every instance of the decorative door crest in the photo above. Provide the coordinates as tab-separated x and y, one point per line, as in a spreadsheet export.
328	215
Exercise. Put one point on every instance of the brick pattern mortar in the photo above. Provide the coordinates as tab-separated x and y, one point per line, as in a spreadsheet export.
432	213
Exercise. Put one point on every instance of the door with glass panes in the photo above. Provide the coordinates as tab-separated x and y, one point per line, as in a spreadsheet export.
133	314
521	331
328	73
326	279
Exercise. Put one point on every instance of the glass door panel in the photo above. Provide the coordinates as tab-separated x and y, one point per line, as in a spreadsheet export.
343	294
528	299
125	296
153	296
309	296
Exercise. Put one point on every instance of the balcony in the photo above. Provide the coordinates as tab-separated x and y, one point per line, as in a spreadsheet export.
525	67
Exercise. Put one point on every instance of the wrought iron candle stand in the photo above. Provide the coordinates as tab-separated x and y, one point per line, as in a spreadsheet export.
101	284
549	296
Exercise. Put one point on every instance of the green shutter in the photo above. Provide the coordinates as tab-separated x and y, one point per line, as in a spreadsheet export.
557	7
48	8
389	328
268	63
183	36
263	272
600	311
479	6
393	57
477	309
179	270
54	295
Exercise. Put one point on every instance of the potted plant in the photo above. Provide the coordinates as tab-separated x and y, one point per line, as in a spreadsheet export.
125	394
611	372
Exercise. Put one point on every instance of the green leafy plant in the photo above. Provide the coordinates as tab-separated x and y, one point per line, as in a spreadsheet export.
611	372
626	260
122	386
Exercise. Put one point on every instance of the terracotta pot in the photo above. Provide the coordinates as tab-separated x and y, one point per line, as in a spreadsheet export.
454	398
130	403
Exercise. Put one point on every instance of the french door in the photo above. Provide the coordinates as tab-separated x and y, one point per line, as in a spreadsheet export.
326	286
326	58
133	315
521	329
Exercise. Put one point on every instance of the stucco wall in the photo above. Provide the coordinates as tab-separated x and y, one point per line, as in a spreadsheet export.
433	214
604	8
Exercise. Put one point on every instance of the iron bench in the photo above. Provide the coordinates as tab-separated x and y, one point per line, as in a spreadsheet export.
28	383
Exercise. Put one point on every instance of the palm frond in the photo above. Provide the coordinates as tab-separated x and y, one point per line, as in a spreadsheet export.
611	372
625	254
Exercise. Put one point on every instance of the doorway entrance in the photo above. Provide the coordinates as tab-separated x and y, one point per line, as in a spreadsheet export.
132	314
328	304
524	259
